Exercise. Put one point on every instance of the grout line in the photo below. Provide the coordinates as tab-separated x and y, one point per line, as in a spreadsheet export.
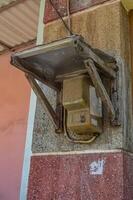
28	144
78	152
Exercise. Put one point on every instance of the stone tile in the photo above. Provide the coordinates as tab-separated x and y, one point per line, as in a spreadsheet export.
128	176
61	5
96	176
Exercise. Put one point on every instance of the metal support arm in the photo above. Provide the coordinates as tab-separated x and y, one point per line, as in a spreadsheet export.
40	94
97	82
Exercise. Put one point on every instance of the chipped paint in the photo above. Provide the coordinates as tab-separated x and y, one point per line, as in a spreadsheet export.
97	167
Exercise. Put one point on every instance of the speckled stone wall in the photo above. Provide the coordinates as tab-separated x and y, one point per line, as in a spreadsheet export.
105	27
96	176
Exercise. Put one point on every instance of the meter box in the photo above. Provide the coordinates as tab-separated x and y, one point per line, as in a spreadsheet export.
75	93
72	63
84	107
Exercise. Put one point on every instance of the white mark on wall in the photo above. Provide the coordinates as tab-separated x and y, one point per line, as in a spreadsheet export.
97	167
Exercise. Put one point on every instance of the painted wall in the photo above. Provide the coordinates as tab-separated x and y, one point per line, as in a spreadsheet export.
14	105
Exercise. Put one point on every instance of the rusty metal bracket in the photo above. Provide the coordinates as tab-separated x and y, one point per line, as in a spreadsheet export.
97	82
115	99
55	116
110	102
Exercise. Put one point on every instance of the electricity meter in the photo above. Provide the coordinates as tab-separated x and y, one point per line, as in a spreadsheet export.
75	70
84	107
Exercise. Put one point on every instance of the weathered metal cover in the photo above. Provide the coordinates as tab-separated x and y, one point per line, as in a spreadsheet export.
46	62
54	61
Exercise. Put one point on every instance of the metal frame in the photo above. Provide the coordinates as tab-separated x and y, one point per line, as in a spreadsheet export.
55	116
100	89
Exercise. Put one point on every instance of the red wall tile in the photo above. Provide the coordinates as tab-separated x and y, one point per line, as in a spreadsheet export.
70	177
61	5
